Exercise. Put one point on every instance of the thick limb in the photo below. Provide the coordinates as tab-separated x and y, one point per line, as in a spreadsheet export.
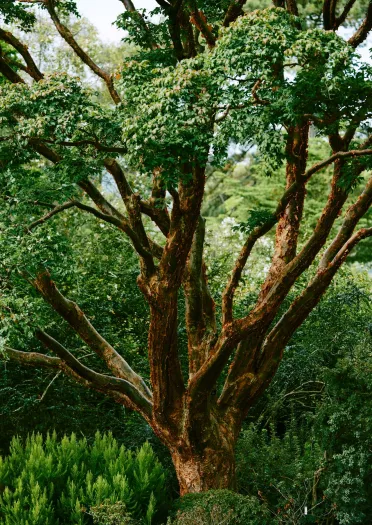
287	231
100	382
37	360
273	347
161	293
200	318
246	368
31	68
71	312
363	31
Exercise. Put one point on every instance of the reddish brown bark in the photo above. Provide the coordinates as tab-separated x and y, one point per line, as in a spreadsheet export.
212	468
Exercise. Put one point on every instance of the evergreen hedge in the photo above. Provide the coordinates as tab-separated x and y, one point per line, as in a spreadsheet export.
56	482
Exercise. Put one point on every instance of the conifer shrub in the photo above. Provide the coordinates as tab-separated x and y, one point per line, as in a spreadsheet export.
220	506
56	482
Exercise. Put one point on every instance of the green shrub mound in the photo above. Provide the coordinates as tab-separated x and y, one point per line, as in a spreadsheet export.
55	482
220	506
111	514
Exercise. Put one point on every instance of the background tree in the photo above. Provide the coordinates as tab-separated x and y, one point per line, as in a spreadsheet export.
205	77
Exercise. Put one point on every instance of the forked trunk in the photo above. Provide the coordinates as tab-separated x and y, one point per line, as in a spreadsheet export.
214	470
202	446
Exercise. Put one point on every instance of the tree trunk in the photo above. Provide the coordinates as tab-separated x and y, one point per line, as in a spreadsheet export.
213	469
204	456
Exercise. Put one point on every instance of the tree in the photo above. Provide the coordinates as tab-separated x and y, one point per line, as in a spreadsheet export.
205	77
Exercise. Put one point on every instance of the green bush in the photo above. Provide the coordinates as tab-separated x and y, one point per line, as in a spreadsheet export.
111	514
49	482
220	506
284	471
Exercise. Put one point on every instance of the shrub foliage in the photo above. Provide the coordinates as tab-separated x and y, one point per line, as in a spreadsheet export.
50	481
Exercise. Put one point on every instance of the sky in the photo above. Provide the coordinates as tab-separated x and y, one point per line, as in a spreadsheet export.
102	13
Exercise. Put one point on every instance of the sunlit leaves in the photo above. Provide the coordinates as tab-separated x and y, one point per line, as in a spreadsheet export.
262	77
167	115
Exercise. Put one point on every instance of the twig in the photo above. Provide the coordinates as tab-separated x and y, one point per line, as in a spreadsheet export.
49	385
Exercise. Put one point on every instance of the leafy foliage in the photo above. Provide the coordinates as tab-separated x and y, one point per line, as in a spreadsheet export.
309	439
111	514
15	13
220	506
284	472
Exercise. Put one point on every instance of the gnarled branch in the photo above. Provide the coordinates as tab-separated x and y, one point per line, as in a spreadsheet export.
100	382
71	312
339	155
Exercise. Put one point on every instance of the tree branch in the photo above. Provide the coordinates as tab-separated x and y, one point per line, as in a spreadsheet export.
113	167
301	307
38	360
129	6
133	206
339	155
100	382
341	19
71	312
296	183
162	295
32	68
232	332
99	200
199	20
33	359
233	283
143	250
292	7
200	318
253	327
234	11
255	324
69	38
155	207
352	217
364	29
327	19
9	73
165	5
287	232
184	220
121	223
